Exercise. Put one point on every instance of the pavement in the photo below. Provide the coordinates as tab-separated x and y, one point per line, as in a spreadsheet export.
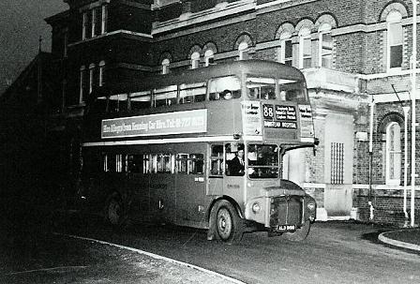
407	239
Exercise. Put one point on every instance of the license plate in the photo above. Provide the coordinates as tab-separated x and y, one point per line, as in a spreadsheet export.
284	228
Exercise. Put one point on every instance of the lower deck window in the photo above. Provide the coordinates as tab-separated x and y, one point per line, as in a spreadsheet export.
190	163
216	159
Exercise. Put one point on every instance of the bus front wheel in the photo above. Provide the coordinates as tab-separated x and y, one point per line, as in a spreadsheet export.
300	234
228	224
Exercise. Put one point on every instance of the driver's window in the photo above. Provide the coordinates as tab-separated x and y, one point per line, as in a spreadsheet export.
235	163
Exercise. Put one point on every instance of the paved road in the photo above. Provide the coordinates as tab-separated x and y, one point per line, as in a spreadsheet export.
334	253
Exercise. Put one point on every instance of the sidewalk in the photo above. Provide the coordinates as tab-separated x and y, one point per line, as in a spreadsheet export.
404	238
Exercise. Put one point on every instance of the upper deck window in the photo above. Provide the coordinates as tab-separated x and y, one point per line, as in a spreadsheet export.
190	93
261	88
292	91
118	102
140	100
225	88
165	96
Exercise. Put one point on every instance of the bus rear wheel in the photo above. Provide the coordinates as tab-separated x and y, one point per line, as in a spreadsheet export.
300	234
229	226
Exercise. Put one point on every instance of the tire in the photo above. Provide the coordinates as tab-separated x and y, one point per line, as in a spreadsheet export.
228	224
300	234
114	210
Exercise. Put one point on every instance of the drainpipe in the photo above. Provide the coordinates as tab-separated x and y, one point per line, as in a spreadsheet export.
372	108
406	110
413	113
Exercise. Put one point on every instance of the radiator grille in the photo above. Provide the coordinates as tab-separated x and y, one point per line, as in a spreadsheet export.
286	211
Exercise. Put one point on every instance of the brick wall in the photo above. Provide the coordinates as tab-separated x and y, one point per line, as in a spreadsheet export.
387	204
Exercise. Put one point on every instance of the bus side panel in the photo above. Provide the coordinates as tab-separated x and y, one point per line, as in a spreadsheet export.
234	187
140	196
191	200
162	197
224	117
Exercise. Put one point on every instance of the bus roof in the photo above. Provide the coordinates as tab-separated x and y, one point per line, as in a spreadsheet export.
253	66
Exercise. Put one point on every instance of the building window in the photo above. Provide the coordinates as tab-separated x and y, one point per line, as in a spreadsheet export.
195	60
165	66
104	19
65	42
208	57
94	22
243	51
101	73
337	163
91	77
325	46
84	25
393	154
394	40
81	84
305	48
286	50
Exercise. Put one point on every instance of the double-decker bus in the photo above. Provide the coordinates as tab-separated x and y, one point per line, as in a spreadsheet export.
202	148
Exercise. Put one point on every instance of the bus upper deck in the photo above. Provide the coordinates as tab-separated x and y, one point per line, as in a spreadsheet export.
253	98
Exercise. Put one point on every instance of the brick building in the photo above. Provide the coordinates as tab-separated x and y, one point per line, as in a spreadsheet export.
352	53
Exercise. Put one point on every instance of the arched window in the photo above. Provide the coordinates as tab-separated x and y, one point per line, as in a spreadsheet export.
325	46
394	40
91	77
195	60
286	49
243	51
165	66
208	57
305	48
393	154
101	73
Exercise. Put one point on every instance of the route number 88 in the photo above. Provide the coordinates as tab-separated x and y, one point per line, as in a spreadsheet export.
268	111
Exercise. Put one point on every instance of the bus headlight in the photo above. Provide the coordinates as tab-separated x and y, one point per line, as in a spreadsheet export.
311	206
256	207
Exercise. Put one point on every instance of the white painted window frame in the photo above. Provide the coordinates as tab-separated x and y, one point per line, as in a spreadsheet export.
84	25
396	151
91	77
165	66
304	34
101	73
195	60
243	50
208	55
393	18
323	30
104	19
81	83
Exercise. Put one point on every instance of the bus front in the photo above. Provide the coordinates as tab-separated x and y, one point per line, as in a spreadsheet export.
277	119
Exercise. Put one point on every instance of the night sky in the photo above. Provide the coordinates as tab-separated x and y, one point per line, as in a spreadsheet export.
21	25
